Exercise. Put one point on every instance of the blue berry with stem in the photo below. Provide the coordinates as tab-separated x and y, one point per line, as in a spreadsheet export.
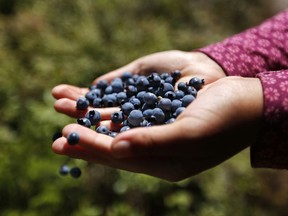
196	82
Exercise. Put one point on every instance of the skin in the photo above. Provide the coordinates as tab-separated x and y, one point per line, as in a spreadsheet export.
223	120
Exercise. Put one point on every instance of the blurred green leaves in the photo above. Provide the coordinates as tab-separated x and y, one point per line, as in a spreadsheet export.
45	43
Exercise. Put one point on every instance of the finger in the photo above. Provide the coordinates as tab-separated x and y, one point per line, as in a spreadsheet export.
165	140
68	91
68	107
132	67
97	143
60	146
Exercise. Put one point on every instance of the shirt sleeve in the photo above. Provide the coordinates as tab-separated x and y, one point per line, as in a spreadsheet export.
262	48
262	52
271	149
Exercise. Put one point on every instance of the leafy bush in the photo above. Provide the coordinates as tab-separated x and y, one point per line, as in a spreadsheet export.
45	43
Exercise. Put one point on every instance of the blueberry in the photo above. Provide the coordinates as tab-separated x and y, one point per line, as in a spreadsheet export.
170	120
135	118
182	86
84	121
170	94
142	83
165	104
73	138
102	129
56	135
192	91
75	172
124	128
154	80
127	108
187	99
91	95
82	103
178	111
94	116
109	100
196	82
97	103
159	115
176	75
102	84
175	105
64	170
113	134
108	90
131	90
121	97
117	117
179	94
150	98
136	102
126	75
117	86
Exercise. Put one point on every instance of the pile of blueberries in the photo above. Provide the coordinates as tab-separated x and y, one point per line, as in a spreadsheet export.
143	100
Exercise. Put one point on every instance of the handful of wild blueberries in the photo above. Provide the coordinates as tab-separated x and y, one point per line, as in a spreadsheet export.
144	101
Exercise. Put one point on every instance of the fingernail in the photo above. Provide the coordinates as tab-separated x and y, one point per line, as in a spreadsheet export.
121	149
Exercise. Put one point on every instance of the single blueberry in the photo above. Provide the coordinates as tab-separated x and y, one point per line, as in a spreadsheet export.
64	170
102	129
73	138
75	172
82	103
196	82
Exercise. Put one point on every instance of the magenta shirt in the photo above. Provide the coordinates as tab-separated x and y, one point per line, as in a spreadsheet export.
262	52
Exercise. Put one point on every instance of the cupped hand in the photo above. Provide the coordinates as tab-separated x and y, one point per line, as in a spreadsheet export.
222	121
191	64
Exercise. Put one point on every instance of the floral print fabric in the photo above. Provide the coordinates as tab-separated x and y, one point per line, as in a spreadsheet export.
262	52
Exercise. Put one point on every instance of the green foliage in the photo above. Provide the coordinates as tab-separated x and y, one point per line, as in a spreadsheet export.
45	43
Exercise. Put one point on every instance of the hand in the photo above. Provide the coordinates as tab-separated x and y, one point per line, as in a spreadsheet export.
191	64
222	121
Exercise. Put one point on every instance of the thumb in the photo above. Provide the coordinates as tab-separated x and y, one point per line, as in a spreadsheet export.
148	141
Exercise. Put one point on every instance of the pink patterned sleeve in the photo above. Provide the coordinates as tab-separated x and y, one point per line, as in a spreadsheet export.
262	48
262	52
